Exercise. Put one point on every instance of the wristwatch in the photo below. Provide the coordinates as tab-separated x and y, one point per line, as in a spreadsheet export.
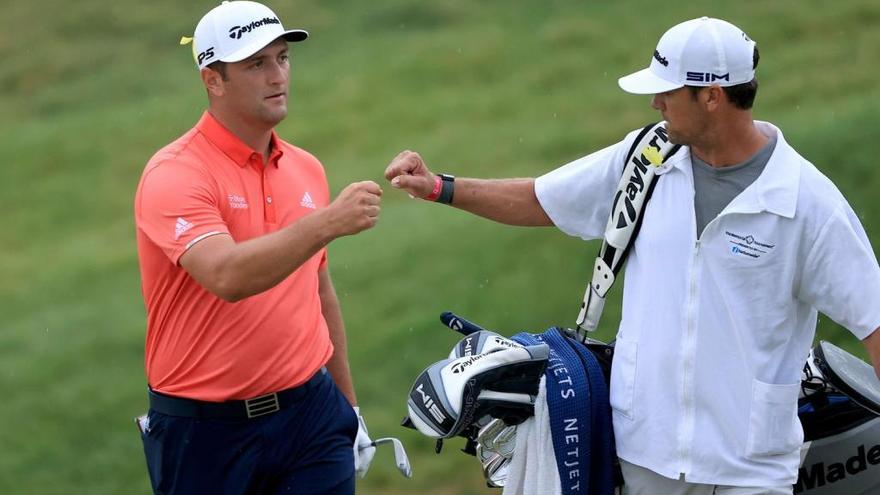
448	188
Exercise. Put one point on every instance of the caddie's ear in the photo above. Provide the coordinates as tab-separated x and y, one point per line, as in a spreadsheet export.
213	81
713	97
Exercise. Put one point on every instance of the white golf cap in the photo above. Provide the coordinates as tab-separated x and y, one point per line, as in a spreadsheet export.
233	31
699	52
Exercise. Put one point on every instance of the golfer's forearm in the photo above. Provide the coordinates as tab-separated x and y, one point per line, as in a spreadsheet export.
258	264
509	201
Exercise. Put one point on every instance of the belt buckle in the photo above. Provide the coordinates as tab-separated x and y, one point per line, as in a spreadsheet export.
262	405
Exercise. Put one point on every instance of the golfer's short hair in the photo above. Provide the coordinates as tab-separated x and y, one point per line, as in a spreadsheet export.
220	68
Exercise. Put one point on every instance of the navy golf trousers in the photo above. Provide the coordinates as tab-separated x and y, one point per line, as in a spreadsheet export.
305	448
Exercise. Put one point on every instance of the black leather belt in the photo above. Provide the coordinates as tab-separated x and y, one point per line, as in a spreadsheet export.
233	409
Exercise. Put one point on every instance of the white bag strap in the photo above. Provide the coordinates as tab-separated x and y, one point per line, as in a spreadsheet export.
649	150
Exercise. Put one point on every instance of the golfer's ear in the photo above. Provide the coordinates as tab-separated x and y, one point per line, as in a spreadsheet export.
213	81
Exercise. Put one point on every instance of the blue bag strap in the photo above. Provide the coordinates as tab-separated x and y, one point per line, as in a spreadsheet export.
602	440
580	414
569	405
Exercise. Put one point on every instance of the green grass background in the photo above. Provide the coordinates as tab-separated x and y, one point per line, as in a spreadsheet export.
90	89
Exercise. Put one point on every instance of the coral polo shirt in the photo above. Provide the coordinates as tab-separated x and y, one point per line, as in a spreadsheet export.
208	182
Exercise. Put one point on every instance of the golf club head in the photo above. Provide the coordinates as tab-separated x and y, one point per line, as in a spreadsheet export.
496	443
401	460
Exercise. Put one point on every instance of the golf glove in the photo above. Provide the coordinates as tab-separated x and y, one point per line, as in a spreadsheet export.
364	449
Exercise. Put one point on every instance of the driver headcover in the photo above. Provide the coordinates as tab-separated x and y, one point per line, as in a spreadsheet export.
451	394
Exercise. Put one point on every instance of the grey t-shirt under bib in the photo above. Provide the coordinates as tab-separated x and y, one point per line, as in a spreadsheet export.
715	188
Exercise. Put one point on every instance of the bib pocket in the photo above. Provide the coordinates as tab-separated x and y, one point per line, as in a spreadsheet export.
623	376
773	425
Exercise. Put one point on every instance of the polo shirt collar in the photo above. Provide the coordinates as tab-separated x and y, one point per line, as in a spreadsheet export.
775	190
233	147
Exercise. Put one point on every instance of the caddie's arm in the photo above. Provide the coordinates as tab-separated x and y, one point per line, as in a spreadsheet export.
235	270
509	201
338	364
872	343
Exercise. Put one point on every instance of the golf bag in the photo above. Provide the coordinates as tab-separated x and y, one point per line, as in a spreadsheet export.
489	385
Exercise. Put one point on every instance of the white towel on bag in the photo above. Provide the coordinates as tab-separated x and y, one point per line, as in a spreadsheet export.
532	469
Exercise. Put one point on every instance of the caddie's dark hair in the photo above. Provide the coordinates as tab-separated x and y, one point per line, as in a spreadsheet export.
741	95
219	67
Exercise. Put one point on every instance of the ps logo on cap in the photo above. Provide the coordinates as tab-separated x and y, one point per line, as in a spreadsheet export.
205	55
699	52
233	31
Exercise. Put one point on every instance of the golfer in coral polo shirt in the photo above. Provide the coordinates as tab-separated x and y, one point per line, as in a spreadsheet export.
243	324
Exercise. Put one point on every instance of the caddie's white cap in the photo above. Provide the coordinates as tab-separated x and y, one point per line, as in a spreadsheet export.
699	52
233	31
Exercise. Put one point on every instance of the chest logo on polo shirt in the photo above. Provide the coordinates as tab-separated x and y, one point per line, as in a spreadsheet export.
307	201
747	245
181	227
237	202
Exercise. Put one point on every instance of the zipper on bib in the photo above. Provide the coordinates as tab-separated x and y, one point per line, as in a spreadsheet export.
689	344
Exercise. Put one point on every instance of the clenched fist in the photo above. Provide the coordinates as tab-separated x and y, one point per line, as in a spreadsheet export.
408	171
355	209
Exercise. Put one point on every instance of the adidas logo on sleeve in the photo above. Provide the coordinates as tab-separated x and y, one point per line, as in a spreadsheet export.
181	227
307	201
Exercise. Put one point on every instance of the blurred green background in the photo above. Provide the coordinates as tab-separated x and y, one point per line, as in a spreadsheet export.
89	90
